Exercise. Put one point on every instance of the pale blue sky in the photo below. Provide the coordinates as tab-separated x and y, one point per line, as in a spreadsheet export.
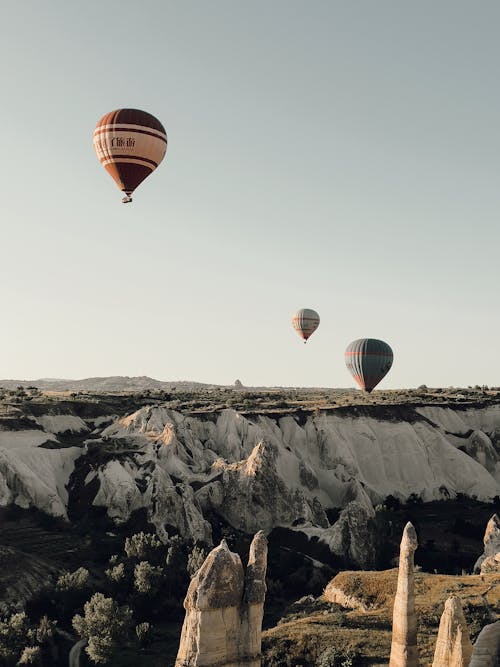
341	156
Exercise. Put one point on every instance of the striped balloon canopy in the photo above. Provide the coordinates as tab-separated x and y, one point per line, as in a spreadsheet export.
305	322
130	144
368	360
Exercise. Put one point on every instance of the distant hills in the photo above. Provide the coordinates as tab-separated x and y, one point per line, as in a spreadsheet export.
124	383
105	384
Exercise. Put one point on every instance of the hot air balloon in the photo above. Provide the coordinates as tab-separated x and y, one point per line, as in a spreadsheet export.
368	360
305	322
130	144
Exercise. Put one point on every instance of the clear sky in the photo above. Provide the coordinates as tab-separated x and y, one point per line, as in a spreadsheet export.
342	156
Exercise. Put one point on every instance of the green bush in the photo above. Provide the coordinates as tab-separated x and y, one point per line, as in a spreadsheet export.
196	558
147	578
335	657
13	636
104	626
116	574
31	655
73	581
144	546
143	632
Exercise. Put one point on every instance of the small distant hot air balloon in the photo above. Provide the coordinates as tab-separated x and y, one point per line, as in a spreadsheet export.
368	360
305	322
130	144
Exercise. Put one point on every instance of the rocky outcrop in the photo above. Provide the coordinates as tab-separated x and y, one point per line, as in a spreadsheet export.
337	596
254	494
254	472
404	651
491	564
486	651
491	546
224	608
352	535
453	644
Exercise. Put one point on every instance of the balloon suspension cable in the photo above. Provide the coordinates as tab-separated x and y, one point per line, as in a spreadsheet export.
126	200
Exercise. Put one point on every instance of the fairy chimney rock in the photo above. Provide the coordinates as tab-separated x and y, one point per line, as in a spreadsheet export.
491	542
224	609
219	581
453	645
404	651
486	651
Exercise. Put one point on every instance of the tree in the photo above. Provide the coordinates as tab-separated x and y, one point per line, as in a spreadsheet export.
104	625
73	581
177	577
116	573
31	655
143	632
147	577
392	503
144	546
45	630
176	558
13	636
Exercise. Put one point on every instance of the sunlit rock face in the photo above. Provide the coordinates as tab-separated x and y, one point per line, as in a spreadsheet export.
489	559
404	651
253	472
224	609
453	644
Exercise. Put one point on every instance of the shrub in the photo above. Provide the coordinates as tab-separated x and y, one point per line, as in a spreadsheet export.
13	635
45	630
147	577
339	618
143	632
143	546
73	581
104	625
195	560
116	573
335	657
31	655
477	616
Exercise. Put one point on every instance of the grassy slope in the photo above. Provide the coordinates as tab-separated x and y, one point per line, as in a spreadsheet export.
301	640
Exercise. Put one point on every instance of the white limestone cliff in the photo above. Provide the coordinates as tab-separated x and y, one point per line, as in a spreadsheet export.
254	473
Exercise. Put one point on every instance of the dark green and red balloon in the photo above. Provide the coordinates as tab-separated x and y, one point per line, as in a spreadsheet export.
368	360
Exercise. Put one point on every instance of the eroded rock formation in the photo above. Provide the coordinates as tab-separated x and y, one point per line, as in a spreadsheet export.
491	547
224	609
486	651
404	651
453	644
491	564
252	471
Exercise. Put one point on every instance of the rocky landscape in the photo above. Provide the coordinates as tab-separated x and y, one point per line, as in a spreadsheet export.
224	609
255	471
429	626
331	477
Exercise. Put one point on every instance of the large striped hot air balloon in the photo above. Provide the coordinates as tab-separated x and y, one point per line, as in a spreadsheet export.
368	360
130	145
305	322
